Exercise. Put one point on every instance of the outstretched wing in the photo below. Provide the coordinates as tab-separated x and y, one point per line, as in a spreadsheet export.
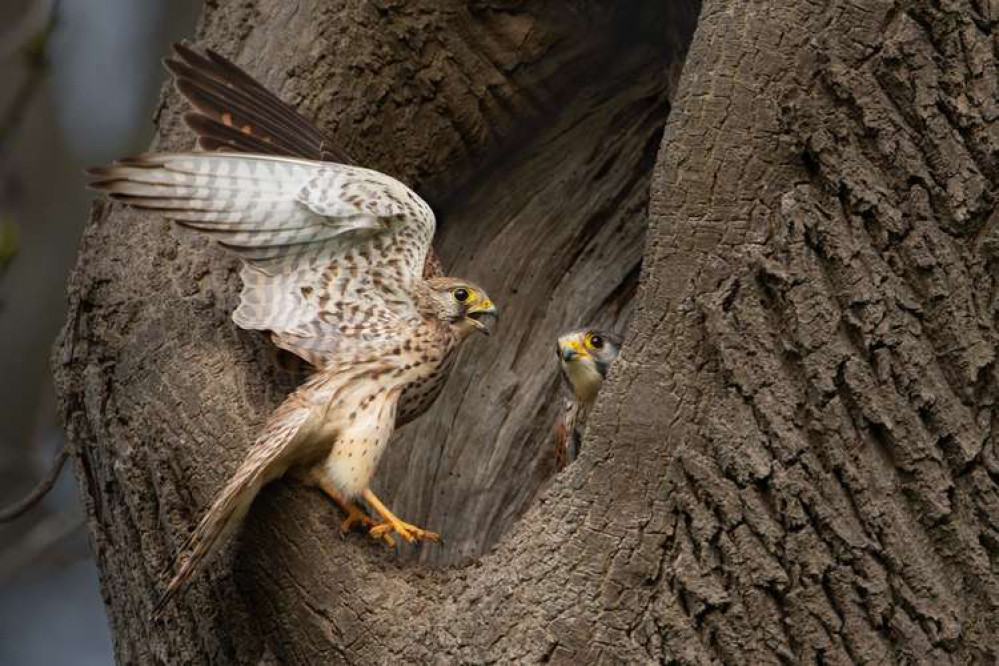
330	251
233	112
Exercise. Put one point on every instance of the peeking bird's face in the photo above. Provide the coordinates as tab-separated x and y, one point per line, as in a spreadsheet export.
464	305
586	356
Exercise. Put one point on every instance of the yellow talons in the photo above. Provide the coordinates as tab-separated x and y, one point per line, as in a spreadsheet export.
410	533
355	516
391	524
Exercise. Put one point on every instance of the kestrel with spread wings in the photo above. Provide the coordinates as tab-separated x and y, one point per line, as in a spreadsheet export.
585	356
333	268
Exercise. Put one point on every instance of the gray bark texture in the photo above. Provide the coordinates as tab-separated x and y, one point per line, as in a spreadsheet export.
794	459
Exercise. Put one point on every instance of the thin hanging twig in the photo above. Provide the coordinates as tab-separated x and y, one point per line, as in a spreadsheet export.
20	507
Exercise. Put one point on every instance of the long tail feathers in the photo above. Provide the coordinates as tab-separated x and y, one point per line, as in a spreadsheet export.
264	464
211	534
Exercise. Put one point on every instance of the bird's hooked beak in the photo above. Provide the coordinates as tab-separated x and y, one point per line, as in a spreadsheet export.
483	315
569	349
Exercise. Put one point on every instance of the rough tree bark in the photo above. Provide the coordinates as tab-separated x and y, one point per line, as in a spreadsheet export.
795	458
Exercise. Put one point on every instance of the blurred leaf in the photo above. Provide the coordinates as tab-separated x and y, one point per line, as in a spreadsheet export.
35	49
8	241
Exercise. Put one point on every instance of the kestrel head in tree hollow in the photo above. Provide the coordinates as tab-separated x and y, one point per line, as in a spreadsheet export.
334	258
585	356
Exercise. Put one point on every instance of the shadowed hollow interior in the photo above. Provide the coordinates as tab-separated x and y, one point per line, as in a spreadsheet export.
553	225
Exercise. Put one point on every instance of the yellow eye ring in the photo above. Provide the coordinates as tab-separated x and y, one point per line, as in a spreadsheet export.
594	341
461	294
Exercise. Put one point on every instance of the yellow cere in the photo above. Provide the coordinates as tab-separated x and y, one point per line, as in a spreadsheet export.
575	346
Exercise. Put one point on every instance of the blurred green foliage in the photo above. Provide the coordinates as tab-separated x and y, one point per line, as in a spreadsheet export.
8	242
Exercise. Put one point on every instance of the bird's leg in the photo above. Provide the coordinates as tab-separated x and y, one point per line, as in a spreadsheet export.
392	523
354	514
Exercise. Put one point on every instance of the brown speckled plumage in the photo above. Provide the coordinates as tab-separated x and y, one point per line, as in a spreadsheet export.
335	267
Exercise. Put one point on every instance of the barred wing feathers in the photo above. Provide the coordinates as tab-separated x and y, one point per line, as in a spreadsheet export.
232	112
330	250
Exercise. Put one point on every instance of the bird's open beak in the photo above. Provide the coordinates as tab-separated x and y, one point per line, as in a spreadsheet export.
570	349
483	316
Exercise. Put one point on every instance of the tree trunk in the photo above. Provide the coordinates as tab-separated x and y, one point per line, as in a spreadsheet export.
794	459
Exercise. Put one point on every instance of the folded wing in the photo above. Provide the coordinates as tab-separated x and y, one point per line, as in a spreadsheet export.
330	250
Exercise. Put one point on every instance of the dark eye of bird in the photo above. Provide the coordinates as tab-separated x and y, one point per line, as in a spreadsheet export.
461	294
596	341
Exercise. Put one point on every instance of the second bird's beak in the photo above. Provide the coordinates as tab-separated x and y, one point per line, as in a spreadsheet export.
483	316
570	349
